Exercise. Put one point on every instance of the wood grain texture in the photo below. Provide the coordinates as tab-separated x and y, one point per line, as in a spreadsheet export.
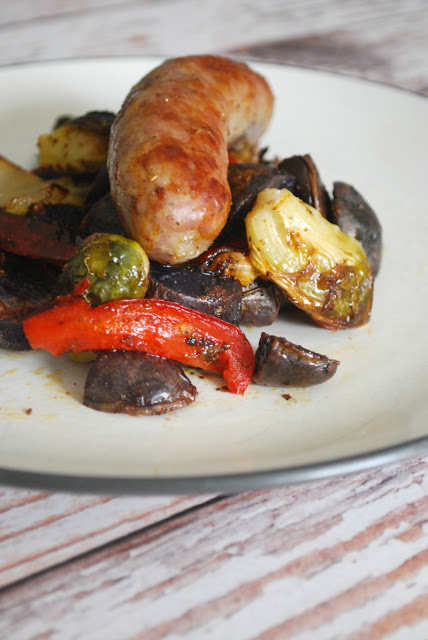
378	52
39	530
376	39
346	557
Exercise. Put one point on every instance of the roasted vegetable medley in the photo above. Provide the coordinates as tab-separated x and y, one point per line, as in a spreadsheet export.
73	281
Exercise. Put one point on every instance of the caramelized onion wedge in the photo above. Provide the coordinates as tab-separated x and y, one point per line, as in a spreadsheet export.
324	271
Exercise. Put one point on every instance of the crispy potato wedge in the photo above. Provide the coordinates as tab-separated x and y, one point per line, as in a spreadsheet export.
20	189
77	145
39	218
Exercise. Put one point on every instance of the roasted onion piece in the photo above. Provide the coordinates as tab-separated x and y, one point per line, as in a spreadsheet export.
280	363
38	218
324	271
21	190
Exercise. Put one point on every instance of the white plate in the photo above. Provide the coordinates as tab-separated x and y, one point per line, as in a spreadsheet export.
374	410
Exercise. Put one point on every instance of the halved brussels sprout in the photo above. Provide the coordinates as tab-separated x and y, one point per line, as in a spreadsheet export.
115	266
324	271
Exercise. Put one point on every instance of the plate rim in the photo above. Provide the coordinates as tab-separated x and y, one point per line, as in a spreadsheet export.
251	60
218	483
229	482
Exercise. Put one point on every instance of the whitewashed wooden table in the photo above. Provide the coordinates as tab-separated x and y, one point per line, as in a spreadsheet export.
333	559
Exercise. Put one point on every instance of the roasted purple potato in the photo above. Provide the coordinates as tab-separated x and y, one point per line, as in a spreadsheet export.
136	383
280	363
261	301
355	216
200	290
308	185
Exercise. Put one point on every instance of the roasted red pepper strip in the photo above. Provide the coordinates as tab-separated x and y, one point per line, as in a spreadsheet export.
232	158
155	326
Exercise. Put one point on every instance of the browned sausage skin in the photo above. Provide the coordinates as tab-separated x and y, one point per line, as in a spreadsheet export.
168	154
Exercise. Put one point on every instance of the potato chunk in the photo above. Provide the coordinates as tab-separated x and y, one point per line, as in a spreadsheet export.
77	146
19	189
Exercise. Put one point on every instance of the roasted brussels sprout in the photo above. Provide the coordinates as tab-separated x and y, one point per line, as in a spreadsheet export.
116	267
324	271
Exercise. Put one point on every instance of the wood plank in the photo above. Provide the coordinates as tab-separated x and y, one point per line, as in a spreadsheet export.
375	50
347	557
145	28
25	10
39	530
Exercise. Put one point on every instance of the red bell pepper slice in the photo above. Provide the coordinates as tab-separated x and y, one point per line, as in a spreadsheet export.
155	326
232	158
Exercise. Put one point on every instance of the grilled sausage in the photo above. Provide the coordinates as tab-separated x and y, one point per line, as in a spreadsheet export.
168	154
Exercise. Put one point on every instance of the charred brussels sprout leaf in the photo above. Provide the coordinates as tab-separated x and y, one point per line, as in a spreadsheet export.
324	271
116	268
